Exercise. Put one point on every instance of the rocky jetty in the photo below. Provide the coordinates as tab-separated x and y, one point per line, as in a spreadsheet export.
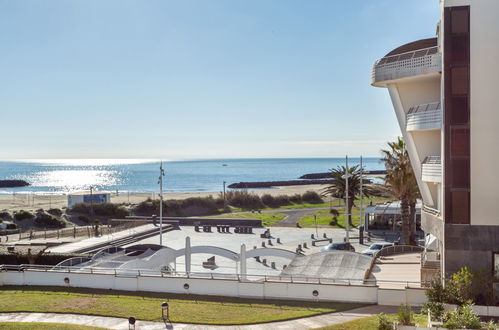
13	183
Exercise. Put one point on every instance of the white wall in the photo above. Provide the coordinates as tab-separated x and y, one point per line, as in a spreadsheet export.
219	287
484	112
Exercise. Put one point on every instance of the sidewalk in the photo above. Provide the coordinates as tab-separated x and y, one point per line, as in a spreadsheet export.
121	323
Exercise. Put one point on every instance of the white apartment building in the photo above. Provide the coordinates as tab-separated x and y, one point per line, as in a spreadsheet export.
445	92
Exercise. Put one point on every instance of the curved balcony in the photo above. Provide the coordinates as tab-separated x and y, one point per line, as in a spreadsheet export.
424	117
413	63
432	169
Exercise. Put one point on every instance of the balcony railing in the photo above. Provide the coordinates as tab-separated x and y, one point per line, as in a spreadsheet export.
413	63
432	169
431	210
424	117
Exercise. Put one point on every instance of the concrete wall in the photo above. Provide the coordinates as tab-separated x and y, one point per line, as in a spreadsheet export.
484	112
219	287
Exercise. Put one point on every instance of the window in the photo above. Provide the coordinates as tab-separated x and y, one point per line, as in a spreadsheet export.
460	21
459	48
458	113
460	207
460	173
496	266
459	80
460	142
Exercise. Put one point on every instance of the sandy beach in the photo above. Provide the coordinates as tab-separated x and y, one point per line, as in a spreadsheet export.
33	201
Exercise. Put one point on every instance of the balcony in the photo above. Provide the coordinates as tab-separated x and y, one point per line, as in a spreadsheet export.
432	169
413	63
424	117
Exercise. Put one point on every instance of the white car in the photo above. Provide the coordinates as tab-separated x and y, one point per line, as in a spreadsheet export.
374	248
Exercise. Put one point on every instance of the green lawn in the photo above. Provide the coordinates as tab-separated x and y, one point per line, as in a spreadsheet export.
268	219
324	217
43	326
371	323
146	306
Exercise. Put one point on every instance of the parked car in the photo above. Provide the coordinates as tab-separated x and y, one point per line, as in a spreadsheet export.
339	247
374	248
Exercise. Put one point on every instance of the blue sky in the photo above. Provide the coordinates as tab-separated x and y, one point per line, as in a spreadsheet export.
199	79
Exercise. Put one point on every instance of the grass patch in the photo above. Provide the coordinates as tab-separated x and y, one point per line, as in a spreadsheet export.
44	326
371	323
324	217
146	306
268	219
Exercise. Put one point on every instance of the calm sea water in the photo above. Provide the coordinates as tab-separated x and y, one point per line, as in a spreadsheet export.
56	176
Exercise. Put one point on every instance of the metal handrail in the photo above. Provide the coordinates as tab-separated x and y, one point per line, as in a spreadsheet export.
200	275
408	55
434	106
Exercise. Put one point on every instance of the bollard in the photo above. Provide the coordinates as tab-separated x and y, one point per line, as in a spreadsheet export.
257	258
269	242
299	247
305	245
312	236
313	243
325	236
254	247
284	267
272	265
278	240
264	261
263	244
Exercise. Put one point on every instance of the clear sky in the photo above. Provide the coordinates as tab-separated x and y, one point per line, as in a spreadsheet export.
199	79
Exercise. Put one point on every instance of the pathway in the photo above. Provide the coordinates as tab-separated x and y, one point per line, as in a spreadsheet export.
122	323
293	215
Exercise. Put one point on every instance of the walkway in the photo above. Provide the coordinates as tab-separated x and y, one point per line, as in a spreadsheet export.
121	323
293	215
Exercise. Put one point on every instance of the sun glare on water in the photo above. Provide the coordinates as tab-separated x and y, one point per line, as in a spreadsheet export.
73	180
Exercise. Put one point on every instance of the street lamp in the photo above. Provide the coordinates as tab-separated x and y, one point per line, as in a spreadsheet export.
160	182
347	197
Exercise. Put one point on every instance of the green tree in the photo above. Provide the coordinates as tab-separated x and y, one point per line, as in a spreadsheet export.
402	181
337	188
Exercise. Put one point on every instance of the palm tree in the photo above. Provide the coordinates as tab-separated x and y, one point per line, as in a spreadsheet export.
337	188
402	181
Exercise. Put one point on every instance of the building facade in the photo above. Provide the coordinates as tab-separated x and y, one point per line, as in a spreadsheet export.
445	94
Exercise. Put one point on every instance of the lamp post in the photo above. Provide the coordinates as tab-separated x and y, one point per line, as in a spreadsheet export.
225	203
160	182
347	201
91	201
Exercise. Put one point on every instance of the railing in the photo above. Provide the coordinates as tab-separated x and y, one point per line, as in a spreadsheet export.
417	62
424	116
431	210
207	275
432	169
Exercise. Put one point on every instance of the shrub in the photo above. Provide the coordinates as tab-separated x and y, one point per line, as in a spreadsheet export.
384	323
101	209
312	197
460	287
47	220
185	207
55	211
276	201
296	198
5	215
436	309
268	200
83	218
463	318
436	291
404	314
21	215
244	199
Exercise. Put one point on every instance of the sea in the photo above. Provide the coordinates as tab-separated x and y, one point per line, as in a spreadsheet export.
55	176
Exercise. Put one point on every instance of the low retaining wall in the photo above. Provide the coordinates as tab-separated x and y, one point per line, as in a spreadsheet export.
268	289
